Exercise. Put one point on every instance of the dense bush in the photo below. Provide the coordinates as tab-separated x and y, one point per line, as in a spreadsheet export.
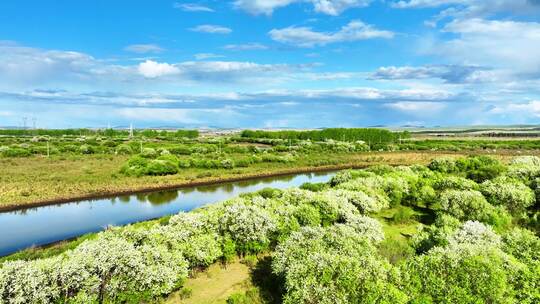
512	194
463	274
466	205
480	168
15	152
334	265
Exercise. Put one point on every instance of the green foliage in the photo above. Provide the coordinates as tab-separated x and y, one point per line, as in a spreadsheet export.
403	215
15	152
314	187
466	205
512	194
462	274
124	149
480	168
443	165
307	215
371	136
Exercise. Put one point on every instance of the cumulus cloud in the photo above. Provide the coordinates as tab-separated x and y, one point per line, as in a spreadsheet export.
21	65
306	37
211	29
329	7
493	43
245	47
143	48
527	109
152	69
192	7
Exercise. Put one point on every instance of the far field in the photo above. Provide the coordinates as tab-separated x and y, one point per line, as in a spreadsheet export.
40	169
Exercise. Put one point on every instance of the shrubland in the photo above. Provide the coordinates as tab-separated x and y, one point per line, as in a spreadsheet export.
474	239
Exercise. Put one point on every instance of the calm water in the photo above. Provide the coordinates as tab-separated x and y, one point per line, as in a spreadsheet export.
45	225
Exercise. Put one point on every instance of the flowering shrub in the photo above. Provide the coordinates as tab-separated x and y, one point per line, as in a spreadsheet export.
512	194
465	205
454	182
29	282
443	165
249	226
149	153
364	203
475	233
333	265
463	274
524	245
526	160
366	226
341	177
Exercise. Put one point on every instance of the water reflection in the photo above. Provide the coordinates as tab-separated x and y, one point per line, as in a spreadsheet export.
43	225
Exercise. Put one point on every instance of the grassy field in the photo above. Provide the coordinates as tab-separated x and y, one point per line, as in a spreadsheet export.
26	181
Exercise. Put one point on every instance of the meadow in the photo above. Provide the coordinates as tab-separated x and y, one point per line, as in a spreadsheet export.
48	166
456	230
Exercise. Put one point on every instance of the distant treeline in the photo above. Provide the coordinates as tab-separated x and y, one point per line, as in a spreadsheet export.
101	132
369	135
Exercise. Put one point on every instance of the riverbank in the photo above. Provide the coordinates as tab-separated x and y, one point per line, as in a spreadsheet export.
39	181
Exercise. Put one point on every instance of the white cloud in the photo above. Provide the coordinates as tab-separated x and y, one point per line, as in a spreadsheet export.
448	73
420	108
203	56
152	69
306	37
211	29
245	47
531	108
143	48
257	7
509	44
471	8
192	7
336	7
329	7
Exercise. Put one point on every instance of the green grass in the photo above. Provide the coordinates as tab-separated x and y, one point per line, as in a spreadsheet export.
36	179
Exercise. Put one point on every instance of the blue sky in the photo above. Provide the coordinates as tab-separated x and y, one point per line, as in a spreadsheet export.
269	63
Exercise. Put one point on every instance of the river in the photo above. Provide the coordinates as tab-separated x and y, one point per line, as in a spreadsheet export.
48	224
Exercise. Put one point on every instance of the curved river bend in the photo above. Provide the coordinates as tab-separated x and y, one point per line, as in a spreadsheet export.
49	224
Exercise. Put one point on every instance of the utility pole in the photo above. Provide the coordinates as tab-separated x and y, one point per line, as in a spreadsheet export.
34	123
25	119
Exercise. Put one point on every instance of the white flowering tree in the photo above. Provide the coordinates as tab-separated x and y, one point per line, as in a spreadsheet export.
333	265
512	194
465	205
367	227
249	226
475	233
24	282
